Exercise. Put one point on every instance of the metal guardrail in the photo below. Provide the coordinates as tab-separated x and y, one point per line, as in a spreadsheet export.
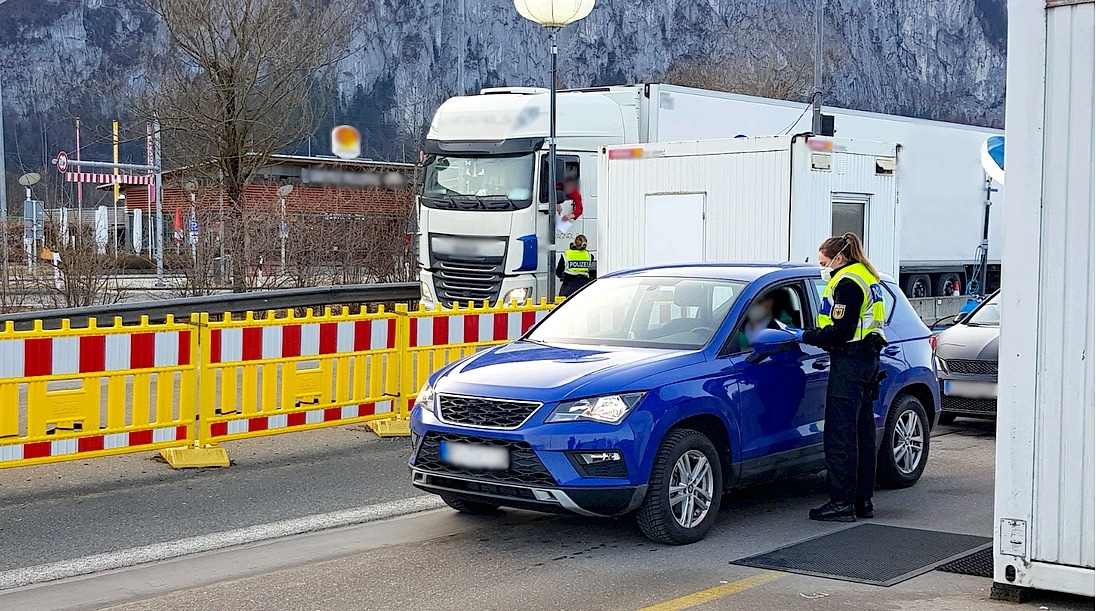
181	308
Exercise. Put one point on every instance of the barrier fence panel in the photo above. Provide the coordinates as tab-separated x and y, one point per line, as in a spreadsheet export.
183	387
76	393
439	337
277	375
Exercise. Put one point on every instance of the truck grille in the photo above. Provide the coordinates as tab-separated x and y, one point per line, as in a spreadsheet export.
969	406
972	367
525	468
491	413
461	280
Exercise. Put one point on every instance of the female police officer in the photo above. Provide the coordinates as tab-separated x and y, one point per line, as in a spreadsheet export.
850	328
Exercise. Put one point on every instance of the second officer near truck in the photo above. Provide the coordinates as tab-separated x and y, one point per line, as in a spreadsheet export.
576	267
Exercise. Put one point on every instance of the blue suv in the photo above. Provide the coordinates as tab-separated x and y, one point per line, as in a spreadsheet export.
646	393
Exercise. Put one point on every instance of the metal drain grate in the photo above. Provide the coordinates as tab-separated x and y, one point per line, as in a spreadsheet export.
979	564
868	553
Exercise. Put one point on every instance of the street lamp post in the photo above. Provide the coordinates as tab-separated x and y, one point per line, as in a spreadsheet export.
553	15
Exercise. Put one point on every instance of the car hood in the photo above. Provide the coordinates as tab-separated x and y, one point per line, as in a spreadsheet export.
968	342
548	373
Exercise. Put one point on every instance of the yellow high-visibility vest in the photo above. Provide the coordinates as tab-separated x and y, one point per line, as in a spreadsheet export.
872	311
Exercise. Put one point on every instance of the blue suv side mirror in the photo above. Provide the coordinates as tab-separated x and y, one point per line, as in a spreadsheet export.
770	342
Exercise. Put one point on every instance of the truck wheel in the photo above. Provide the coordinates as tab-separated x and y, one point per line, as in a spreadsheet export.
917	286
945	285
684	491
905	448
470	507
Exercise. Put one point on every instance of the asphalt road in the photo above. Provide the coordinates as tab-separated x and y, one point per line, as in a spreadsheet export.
441	560
69	510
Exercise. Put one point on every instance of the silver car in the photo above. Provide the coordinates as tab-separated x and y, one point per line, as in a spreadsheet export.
966	363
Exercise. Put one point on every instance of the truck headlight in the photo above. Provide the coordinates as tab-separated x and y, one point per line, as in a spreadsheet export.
518	296
427	294
610	409
425	399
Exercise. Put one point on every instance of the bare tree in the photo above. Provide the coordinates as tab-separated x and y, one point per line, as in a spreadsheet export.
81	277
235	87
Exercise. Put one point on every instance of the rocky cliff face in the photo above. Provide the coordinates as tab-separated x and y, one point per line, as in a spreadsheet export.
941	59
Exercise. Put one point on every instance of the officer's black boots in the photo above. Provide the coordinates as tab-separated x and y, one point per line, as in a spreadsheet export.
864	509
834	511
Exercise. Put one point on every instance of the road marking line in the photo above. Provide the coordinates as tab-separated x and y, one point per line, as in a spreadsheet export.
133	556
726	589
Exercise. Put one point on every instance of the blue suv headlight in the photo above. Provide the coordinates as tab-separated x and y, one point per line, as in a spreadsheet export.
610	409
425	398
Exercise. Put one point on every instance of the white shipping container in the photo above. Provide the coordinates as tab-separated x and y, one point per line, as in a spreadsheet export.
767	199
1044	503
942	187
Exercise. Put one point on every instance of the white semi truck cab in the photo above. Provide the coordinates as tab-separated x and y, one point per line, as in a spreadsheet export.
483	211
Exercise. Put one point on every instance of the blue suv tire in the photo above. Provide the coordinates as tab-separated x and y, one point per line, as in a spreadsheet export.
684	490
904	451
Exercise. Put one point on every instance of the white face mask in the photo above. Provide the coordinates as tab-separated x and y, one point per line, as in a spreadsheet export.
827	273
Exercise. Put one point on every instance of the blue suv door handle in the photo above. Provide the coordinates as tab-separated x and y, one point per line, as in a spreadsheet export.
892	350
821	364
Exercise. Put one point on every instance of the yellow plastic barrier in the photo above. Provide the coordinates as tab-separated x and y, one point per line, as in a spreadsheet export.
439	337
277	375
69	394
183	388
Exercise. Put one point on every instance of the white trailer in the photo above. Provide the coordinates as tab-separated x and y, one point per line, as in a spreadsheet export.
745	199
1044	501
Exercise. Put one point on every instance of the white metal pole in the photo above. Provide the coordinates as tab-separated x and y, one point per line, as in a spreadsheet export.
159	207
281	234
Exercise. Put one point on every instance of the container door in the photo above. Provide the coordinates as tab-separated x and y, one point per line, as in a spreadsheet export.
674	228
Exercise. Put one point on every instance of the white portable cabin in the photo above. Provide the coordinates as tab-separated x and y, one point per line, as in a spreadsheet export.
1045	494
762	199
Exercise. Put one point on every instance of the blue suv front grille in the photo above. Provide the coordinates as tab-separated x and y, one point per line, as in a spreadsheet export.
484	412
525	468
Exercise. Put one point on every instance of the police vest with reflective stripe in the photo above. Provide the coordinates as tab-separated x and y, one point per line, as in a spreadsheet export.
872	312
579	262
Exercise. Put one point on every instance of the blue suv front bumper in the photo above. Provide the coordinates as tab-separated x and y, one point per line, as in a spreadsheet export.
548	468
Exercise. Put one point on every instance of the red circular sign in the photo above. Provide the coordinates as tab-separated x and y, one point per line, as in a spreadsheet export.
62	162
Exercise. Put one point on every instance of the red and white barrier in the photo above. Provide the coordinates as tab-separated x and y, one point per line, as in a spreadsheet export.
298	419
92	443
51	356
472	328
231	345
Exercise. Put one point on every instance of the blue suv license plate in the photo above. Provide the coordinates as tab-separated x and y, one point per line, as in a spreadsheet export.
474	456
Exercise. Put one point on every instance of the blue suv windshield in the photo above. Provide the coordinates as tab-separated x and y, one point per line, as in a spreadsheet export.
642	312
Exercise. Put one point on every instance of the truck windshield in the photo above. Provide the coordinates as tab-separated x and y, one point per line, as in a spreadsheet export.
479	183
642	312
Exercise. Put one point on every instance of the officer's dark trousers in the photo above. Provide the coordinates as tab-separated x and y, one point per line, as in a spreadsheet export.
572	283
849	435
